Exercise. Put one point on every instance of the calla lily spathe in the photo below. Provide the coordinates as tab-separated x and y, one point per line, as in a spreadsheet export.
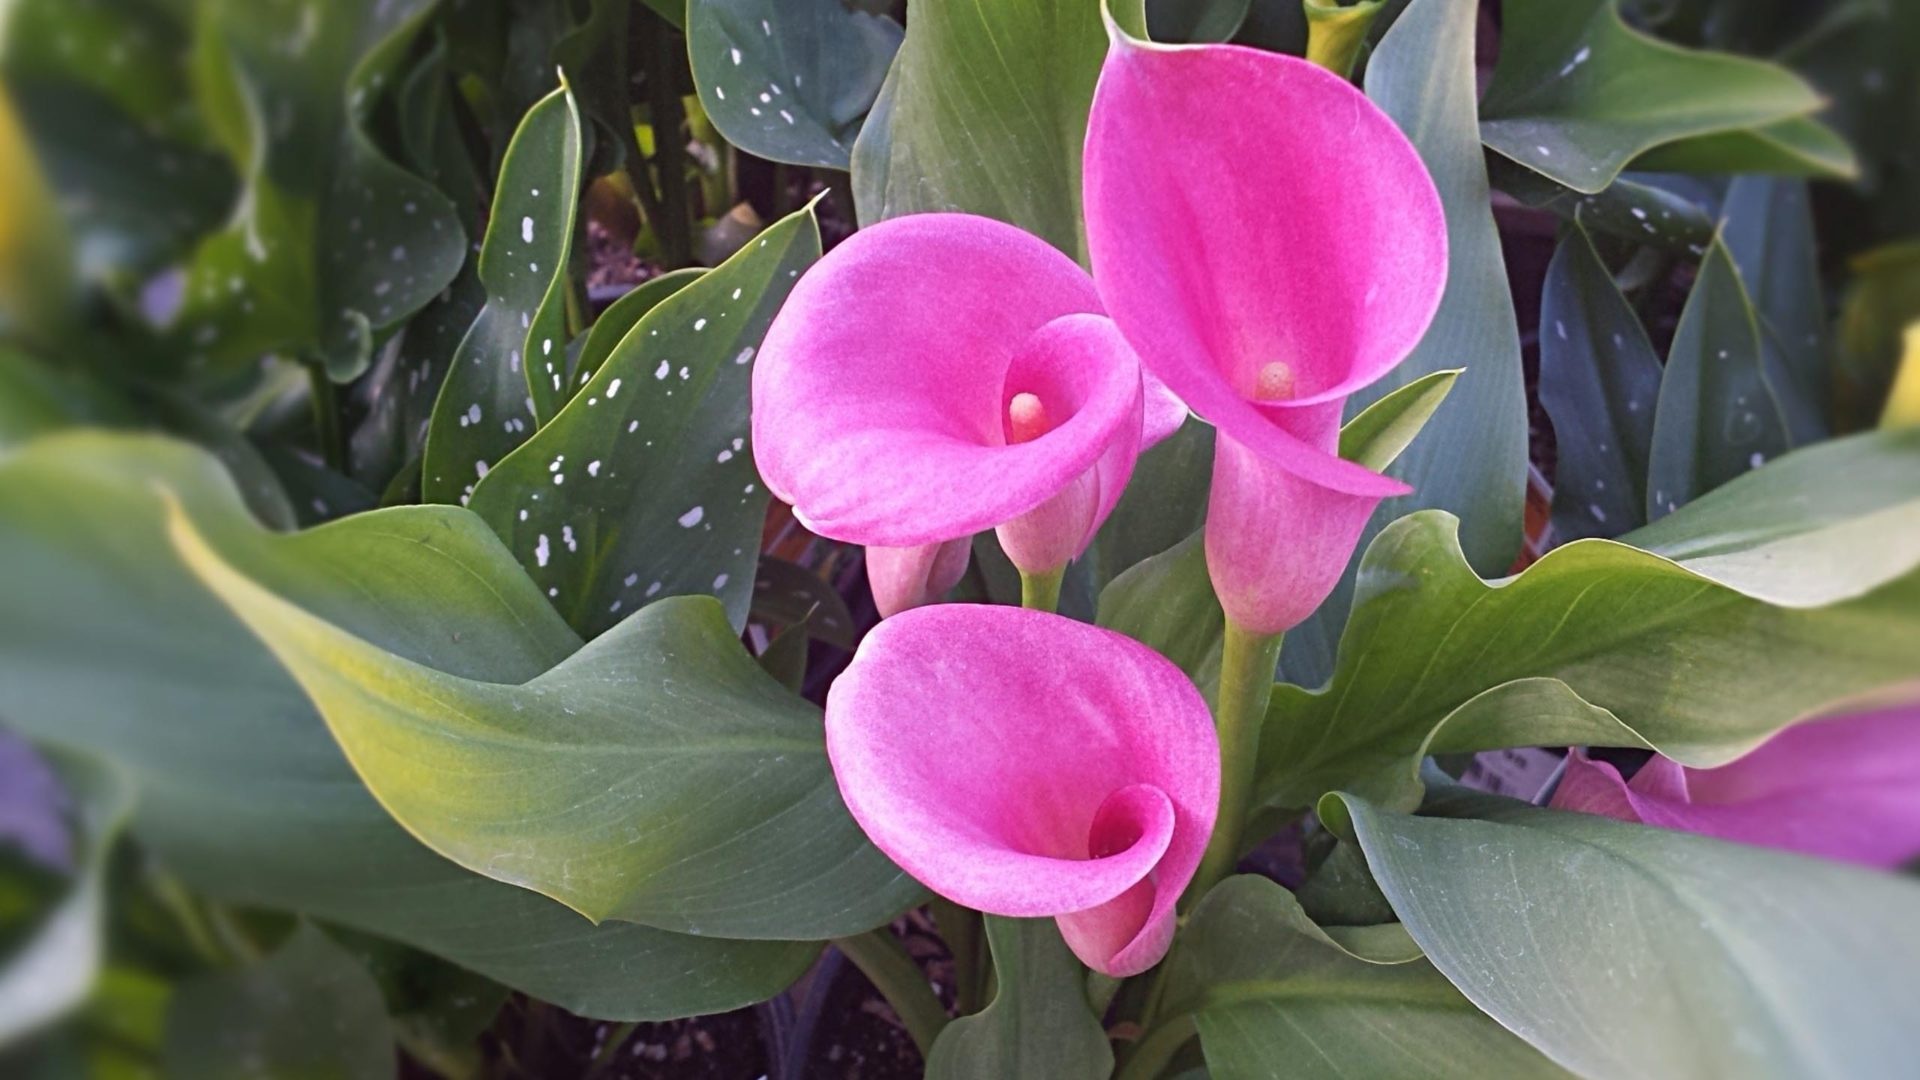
1846	788
939	375
1026	764
1269	242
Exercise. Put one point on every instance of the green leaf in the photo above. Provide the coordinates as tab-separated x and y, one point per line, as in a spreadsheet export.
644	486
1710	958
1753	608
1195	20
791	595
1717	416
509	375
789	80
404	384
1167	601
985	111
1164	503
1654	210
109	645
1272	994
1472	461
333	244
54	970
656	776
309	1010
1768	232
1039	1022
1800	146
1577	95
1599	380
623	315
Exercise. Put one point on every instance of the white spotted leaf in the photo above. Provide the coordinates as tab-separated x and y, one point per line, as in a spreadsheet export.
644	486
789	80
509	373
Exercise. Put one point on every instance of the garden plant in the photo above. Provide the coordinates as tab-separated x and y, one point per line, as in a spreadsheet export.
967	538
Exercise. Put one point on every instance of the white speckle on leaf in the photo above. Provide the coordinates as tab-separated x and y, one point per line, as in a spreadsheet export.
653	588
746	354
692	517
526	230
593	467
699	324
612	389
541	552
662	371
719	583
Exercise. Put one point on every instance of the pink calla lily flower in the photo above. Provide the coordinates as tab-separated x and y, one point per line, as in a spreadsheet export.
939	375
1845	788
1026	764
1269	242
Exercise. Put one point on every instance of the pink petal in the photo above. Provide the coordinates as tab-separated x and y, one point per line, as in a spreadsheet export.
1277	542
1026	764
880	393
1245	207
903	578
1845	788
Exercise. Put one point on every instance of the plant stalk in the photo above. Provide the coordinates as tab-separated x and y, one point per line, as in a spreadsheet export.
1154	1051
674	227
1041	592
1247	662
327	431
880	956
960	929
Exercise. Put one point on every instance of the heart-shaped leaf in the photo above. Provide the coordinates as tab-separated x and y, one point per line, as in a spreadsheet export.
644	487
109	645
655	776
1752	608
1038	1023
1718	959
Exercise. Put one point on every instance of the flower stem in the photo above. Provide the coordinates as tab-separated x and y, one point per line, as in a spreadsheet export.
960	929
1152	1053
884	961
1247	661
1041	592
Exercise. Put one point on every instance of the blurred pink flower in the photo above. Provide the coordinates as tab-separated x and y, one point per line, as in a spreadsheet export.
1269	242
1029	765
939	375
1846	788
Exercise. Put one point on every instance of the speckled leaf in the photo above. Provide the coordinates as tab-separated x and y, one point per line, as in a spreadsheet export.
985	111
1768	230
656	776
789	80
1274	994
1599	379
644	486
1754	607
1038	1023
1577	94
109	645
1472	459
1655	209
611	327
309	1010
401	390
53	969
509	374
1717	416
790	595
1621	950
333	243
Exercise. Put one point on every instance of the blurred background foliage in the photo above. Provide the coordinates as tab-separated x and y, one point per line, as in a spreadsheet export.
285	236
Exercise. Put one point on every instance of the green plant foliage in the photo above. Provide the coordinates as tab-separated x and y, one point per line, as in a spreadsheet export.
791	595
54	970
1768	232
1271	992
1038	1024
110	646
644	487
1165	502
655	776
309	1010
985	110
1750	609
1577	95
1472	461
789	80
509	374
611	328
1599	381
1718	414
1195	20
1713	959
333	243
